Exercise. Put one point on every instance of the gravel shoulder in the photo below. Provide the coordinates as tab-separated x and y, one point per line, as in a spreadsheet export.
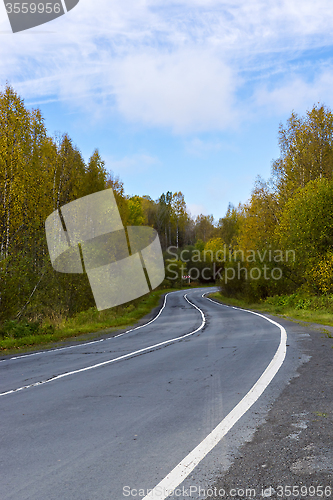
294	446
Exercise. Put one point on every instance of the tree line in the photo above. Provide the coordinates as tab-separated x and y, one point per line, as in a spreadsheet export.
281	240
278	242
39	174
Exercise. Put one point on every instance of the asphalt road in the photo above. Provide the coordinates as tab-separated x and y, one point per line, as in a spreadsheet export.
111	419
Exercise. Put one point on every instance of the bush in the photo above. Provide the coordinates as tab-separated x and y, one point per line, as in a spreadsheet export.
303	301
19	329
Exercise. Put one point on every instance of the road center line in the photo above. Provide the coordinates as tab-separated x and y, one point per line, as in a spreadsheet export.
167	486
125	356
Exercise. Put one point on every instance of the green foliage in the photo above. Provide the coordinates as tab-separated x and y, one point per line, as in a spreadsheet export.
174	270
19	329
306	145
301	301
204	227
292	211
136	214
38	174
95	176
307	308
320	276
306	226
215	250
306	223
199	245
19	334
229	226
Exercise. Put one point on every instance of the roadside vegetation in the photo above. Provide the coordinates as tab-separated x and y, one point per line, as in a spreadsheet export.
20	334
295	307
274	252
278	253
25	334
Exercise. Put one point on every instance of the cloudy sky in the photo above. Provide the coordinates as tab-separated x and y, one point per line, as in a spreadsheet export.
180	95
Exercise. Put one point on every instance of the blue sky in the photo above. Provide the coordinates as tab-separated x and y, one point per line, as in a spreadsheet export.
180	96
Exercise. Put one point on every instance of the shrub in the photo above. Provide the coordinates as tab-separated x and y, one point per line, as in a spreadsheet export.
19	329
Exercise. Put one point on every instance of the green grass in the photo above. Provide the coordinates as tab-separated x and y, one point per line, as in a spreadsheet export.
24	335
92	323
310	310
85	325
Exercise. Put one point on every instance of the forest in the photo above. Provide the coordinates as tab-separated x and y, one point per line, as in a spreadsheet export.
279	242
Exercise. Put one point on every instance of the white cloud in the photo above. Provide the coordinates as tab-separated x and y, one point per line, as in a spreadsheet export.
174	64
199	147
196	209
295	93
186	90
136	163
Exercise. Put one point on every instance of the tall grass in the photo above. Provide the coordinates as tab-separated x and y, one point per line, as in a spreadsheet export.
313	309
24	334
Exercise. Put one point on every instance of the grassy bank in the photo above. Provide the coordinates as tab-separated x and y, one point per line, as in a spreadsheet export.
22	335
296	307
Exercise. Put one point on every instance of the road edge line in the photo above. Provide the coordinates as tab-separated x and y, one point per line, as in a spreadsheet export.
90	342
167	486
108	362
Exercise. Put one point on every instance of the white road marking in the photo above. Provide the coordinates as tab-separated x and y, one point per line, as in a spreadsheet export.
146	324
166	487
125	356
92	341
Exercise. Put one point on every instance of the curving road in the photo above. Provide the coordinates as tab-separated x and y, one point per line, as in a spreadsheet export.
111	419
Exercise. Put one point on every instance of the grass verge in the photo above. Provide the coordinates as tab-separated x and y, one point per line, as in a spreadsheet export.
84	326
309	310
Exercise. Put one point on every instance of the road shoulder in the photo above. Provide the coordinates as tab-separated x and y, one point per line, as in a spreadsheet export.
294	447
